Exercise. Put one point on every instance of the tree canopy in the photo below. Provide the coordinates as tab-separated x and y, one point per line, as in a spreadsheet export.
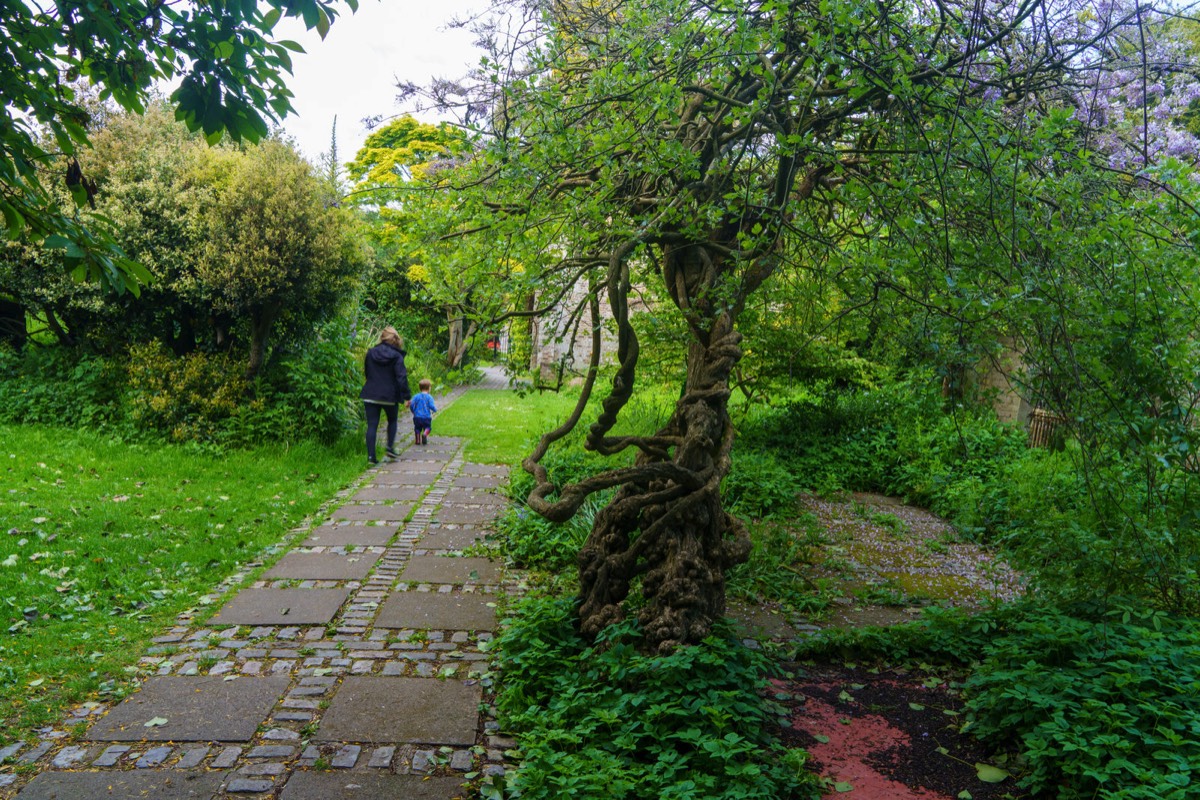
712	148
230	72
241	242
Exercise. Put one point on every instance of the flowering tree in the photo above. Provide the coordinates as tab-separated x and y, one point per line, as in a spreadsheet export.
393	172
710	146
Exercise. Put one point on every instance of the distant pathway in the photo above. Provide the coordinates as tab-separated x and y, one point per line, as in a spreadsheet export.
353	668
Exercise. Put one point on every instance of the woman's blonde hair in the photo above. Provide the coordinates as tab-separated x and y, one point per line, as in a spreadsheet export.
389	336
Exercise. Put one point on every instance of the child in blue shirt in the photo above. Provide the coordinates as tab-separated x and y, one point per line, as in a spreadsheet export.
423	409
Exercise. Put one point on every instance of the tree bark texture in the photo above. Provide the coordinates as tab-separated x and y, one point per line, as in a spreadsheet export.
669	527
677	537
459	337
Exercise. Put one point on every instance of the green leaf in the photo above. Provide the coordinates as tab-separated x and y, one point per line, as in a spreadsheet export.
13	221
989	774
270	18
155	722
843	787
916	706
822	738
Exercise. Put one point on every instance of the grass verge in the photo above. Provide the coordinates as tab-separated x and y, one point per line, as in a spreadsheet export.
103	543
501	426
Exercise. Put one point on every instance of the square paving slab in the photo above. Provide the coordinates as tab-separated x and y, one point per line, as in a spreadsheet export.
198	708
419	454
381	710
474	497
281	607
386	467
438	611
406	478
759	623
324	566
459	515
152	784
360	513
484	469
440	569
350	535
369	786
467	481
386	493
438	538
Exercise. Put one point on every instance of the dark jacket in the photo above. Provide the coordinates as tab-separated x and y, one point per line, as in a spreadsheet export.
387	379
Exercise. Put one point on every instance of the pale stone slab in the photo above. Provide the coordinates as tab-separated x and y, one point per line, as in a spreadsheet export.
474	497
281	607
419	454
362	513
196	709
484	469
471	481
439	569
466	515
374	494
324	566
407	466
409	477
369	786
350	535
155	785
378	710
759	623
438	611
438	538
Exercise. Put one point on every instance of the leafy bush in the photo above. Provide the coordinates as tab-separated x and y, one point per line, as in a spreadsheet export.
758	485
534	542
609	721
54	385
941	635
309	394
565	464
770	573
1133	534
191	398
1103	703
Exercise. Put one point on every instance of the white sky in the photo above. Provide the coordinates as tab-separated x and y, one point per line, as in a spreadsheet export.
353	72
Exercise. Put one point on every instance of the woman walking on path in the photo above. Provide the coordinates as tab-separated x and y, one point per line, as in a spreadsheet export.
385	389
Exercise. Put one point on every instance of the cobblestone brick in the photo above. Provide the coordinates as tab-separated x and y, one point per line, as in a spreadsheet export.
111	755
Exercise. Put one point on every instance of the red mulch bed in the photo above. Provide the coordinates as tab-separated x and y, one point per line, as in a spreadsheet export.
868	739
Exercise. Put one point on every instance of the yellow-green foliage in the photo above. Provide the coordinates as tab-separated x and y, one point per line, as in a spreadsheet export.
187	397
403	150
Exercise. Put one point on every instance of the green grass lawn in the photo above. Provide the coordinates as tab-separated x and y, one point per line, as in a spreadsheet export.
103	543
501	426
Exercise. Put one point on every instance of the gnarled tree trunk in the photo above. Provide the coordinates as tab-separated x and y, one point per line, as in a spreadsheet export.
675	535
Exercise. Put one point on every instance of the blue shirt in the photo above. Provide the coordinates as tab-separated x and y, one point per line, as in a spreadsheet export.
422	405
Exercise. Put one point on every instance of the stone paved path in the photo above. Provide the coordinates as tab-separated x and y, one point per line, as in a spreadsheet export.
354	668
